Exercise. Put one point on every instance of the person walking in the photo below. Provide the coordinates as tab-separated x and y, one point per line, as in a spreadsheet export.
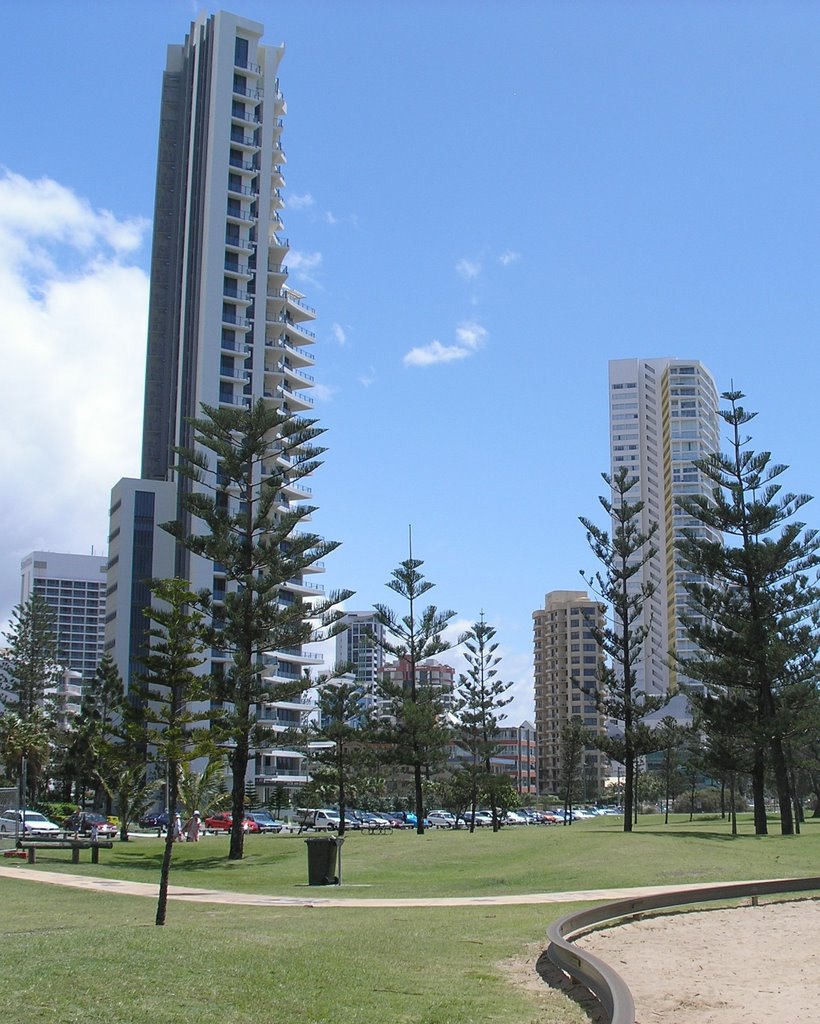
193	827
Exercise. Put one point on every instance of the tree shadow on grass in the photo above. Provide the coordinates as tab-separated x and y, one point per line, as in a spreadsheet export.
574	990
153	863
676	833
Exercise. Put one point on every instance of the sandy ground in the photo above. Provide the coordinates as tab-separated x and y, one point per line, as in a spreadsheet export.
749	965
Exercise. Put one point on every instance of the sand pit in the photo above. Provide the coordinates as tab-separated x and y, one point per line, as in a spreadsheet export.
748	965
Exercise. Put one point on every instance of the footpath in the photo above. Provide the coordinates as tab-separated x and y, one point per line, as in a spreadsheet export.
27	873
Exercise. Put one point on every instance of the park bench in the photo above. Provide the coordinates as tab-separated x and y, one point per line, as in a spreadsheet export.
31	847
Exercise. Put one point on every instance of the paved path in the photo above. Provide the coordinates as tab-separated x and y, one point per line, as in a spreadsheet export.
23	872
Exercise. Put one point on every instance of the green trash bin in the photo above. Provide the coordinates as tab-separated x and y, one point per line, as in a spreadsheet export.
322	860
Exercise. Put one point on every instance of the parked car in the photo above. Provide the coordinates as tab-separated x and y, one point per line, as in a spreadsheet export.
321	819
84	822
410	820
441	819
514	818
223	822
29	823
482	818
369	820
158	819
265	821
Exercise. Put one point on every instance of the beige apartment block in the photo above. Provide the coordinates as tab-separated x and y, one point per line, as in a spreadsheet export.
566	657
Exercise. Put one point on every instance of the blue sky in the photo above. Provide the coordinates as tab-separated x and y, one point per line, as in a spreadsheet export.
486	202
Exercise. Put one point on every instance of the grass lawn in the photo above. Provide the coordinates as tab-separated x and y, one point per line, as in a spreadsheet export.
72	956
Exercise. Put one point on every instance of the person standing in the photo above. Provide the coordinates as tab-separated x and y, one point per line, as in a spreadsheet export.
193	828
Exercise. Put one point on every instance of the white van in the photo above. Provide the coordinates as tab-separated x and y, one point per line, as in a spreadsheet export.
321	820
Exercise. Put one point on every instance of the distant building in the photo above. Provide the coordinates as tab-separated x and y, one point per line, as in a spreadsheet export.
566	658
354	648
517	756
663	416
74	588
434	674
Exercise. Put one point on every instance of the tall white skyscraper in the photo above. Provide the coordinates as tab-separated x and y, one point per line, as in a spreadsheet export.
73	586
663	416
224	329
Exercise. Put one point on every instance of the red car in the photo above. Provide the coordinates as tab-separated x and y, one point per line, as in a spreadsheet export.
223	821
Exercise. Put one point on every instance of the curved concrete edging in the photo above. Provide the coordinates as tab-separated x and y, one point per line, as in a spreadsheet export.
604	981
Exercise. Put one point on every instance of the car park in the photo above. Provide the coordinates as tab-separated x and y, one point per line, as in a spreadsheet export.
30	823
83	823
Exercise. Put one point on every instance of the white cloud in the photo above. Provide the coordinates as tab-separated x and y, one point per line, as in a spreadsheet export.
366	379
304	264
73	352
300	202
508	257
470	336
339	334
468	269
435	352
331	218
322	392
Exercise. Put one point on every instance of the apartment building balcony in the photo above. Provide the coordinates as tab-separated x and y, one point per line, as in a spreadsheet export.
297	310
297	331
235	216
249	68
236	243
234	266
294	401
243	118
241	164
234	320
247	92
237	294
278	246
247	143
277	177
297	356
304	589
295	378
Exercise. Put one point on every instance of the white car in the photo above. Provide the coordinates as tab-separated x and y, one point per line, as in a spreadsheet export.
441	819
514	818
35	824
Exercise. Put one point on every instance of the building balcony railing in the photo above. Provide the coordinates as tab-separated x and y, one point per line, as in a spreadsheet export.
242	165
286	293
243	190
248	66
292	326
252	94
247	141
235	267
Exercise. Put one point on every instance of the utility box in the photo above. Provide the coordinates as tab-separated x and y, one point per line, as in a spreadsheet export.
322	860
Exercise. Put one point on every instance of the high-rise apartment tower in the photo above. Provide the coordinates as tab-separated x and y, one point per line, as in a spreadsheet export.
663	417
224	327
566	660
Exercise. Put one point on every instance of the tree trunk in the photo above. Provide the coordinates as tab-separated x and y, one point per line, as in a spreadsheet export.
165	871
417	779
781	778
239	766
759	792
